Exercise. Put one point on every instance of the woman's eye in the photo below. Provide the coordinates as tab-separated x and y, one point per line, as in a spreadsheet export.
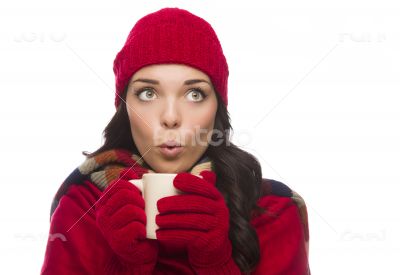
145	94
197	94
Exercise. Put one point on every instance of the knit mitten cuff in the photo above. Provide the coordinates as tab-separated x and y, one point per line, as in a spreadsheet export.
120	266
229	267
146	269
217	253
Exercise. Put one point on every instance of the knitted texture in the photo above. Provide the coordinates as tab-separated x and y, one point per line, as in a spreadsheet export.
197	220
107	166
121	218
274	187
172	35
282	227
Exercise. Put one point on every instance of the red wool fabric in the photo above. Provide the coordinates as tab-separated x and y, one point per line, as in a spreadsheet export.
172	35
198	220
122	202
82	249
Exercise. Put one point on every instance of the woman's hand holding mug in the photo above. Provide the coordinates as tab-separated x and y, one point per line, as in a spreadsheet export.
120	216
198	220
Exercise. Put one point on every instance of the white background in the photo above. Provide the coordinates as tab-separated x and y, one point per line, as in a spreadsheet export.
313	94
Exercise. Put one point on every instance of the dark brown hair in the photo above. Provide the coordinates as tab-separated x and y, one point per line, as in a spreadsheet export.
238	178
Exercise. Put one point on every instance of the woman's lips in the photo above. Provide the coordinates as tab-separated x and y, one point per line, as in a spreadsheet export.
171	151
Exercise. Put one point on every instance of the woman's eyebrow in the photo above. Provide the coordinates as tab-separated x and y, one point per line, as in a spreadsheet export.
155	82
194	81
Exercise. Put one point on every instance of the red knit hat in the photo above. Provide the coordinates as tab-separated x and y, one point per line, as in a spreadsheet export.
172	35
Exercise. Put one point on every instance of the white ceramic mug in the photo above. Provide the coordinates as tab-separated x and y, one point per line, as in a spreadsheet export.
155	186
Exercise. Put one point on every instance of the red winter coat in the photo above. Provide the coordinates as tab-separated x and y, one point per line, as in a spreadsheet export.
76	246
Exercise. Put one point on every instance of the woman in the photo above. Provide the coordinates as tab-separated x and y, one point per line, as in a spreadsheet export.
171	99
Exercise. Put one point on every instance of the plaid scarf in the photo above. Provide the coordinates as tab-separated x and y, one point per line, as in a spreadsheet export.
107	166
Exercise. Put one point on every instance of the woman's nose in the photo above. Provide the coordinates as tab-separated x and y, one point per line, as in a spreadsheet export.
170	116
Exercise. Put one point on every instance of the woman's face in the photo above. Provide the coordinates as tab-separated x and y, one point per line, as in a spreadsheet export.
171	102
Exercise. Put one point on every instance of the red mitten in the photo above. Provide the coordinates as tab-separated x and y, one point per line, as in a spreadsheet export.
198	220
121	218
